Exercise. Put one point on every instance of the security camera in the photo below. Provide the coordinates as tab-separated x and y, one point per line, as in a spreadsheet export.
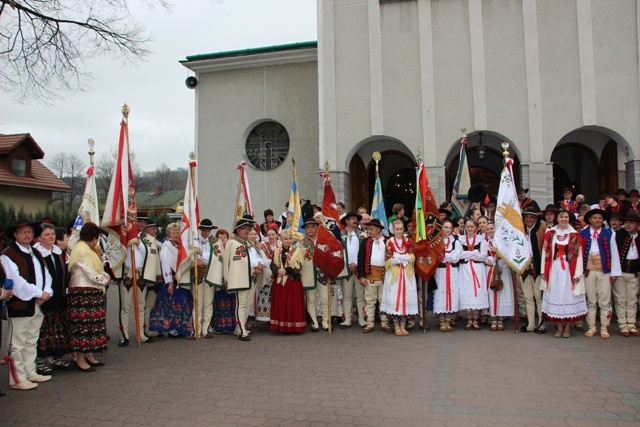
191	82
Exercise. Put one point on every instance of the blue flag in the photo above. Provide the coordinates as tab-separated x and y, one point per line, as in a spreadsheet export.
377	206
295	221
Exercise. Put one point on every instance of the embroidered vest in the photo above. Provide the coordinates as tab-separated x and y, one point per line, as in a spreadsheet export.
58	271
26	268
604	246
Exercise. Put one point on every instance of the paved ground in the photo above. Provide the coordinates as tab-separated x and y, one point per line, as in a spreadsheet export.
463	378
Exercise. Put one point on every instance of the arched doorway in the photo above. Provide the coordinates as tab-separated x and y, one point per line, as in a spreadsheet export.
397	174
586	160
485	160
398	179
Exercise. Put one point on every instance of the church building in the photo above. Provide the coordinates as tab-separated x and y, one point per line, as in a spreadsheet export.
558	80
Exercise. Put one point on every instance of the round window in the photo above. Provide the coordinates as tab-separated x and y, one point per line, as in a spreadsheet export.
267	145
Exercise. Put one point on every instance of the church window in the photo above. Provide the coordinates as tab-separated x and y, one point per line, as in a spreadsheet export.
267	145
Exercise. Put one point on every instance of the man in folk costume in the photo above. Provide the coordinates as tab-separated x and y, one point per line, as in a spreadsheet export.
351	237
31	288
530	279
615	207
625	289
371	259
205	290
241	267
151	269
526	202
601	265
127	300
567	201
623	198
634	200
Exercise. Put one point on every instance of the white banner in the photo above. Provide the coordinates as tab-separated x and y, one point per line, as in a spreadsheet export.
510	240
88	211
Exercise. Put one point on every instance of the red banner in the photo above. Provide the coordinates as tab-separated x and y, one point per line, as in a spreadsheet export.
328	255
120	213
428	246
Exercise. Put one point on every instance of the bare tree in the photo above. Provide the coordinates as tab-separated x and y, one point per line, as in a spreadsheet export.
44	43
69	167
164	177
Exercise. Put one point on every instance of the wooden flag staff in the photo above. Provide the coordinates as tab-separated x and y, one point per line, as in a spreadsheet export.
134	272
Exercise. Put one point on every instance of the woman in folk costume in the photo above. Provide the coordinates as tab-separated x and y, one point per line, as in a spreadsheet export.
564	299
473	275
400	292
53	341
172	311
500	300
224	303
288	310
86	313
446	298
262	305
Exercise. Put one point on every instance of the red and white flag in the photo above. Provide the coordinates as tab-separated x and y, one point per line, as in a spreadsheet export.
120	211
243	195
189	230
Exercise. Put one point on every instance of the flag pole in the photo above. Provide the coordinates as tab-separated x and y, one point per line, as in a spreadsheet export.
134	274
196	300
235	209
421	281
329	323
91	153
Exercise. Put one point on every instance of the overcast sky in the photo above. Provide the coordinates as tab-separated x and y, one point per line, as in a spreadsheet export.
161	122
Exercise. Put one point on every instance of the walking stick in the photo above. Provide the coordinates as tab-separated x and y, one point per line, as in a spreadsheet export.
134	278
515	301
424	307
196	300
329	305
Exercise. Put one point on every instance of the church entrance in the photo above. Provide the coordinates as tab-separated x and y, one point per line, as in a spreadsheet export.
586	160
397	169
485	160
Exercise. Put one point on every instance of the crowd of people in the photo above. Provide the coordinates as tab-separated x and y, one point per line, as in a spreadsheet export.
585	261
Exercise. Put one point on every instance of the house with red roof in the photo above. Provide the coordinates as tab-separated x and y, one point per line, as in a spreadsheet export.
24	180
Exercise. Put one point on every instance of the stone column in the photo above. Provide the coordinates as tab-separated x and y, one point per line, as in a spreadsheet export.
438	182
632	175
538	178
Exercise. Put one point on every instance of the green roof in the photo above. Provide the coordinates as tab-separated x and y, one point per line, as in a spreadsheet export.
252	51
166	199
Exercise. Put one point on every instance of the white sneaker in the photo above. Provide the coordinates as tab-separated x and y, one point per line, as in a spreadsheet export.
24	385
40	378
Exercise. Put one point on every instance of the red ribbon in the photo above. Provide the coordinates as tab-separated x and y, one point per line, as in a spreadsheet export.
448	290
402	291
476	281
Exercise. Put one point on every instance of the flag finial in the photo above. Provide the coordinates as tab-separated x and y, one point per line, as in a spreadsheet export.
326	166
125	110
192	156
377	156
293	161
91	143
505	149
419	157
